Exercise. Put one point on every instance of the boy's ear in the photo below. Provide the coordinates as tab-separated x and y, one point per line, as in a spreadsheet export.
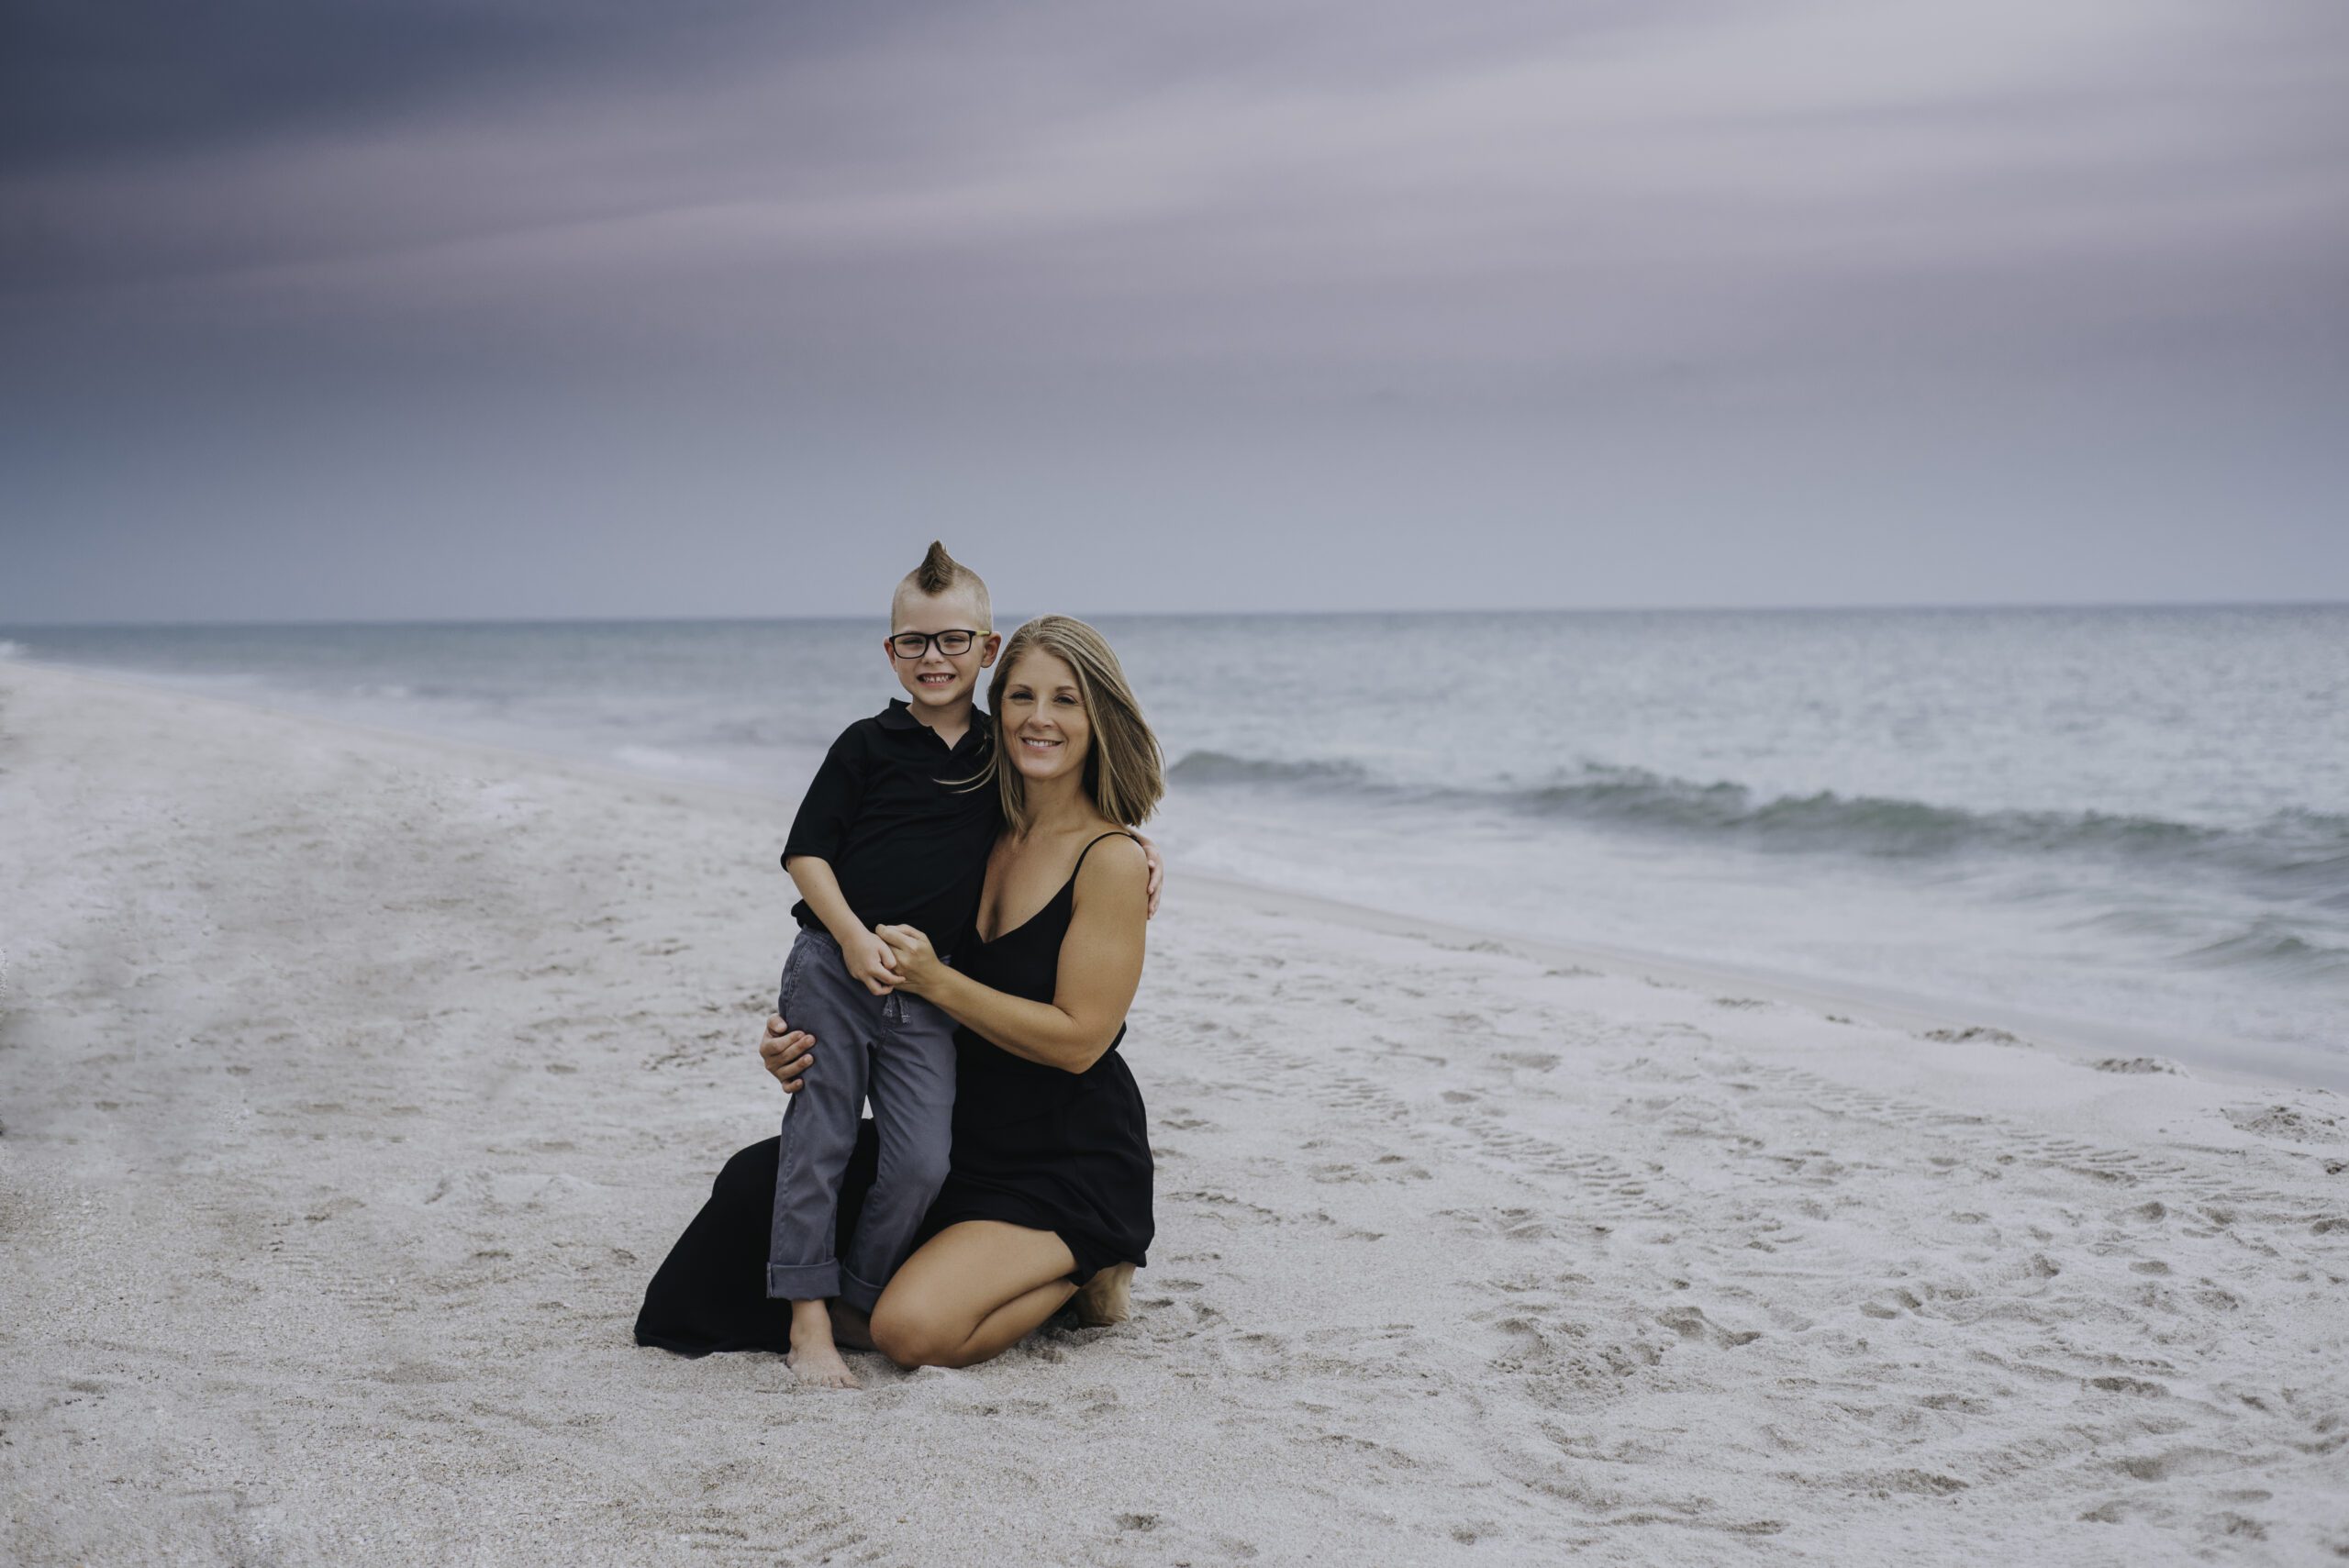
994	646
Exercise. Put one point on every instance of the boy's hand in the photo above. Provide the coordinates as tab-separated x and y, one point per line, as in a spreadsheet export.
870	959
787	1052
918	965
1157	874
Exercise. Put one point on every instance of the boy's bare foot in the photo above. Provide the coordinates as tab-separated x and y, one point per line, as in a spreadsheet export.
819	1366
852	1327
813	1356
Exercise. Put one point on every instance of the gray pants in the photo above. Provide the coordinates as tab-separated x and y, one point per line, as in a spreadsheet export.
899	1049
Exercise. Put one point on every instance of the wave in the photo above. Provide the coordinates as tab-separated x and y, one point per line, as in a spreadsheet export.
1221	767
2293	854
2267	948
11	649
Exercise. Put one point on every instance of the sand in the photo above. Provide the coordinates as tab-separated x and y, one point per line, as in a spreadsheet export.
351	1086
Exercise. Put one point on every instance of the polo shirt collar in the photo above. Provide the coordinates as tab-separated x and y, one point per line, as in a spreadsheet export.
900	715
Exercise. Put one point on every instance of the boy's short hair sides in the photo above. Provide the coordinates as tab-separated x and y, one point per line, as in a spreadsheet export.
941	574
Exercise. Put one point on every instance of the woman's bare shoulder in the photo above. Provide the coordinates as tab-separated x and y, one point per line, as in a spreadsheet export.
1113	864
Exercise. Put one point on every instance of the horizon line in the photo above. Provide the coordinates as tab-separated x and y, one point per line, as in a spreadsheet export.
1915	605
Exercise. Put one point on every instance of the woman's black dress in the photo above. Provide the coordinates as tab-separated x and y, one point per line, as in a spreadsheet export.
1067	1152
1050	1149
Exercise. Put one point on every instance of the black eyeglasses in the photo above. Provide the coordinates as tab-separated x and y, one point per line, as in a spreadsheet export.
916	644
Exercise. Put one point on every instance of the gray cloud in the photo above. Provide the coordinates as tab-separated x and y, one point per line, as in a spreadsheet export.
1319	263
82	84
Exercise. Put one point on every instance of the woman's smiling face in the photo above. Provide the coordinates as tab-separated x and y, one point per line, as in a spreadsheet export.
1043	717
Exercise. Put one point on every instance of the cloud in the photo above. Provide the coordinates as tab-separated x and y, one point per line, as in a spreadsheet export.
1240	246
83	85
1490	183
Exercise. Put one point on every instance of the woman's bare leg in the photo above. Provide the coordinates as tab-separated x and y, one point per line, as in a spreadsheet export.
971	1292
850	1326
1014	1321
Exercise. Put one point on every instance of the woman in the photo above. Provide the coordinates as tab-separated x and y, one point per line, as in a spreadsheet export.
1049	1189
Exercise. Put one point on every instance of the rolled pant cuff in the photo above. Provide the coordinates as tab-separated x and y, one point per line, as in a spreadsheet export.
856	1292
803	1281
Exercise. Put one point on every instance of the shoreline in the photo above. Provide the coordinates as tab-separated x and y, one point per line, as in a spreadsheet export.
2247	1065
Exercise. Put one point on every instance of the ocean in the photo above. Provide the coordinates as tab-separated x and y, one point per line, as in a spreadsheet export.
2127	826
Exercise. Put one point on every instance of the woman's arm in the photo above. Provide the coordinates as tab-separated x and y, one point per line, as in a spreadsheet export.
1100	967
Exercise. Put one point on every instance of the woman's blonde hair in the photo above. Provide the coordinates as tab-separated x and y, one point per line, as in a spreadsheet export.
1125	772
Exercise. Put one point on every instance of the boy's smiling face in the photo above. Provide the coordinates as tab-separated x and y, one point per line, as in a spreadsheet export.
937	681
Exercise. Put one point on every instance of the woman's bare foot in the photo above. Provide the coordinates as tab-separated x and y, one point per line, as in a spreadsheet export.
1107	1297
851	1327
813	1356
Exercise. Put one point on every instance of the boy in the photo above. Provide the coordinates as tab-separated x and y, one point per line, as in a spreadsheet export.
889	833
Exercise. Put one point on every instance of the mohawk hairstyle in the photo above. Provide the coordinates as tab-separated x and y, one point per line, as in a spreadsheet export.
941	574
938	569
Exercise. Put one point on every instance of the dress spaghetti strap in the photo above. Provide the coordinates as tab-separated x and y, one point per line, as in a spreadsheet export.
1114	833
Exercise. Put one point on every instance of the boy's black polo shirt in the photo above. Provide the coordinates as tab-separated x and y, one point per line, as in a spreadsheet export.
908	848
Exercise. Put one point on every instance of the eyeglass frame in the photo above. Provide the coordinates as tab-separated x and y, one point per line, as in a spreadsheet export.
929	640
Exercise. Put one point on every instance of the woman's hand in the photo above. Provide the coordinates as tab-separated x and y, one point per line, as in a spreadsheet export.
918	965
787	1052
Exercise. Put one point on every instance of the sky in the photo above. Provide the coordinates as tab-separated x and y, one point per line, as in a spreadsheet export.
488	308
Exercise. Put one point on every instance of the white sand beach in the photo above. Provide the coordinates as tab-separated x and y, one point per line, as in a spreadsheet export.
351	1087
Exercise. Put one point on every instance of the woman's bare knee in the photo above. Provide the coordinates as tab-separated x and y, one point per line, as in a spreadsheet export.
911	1339
968	1292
